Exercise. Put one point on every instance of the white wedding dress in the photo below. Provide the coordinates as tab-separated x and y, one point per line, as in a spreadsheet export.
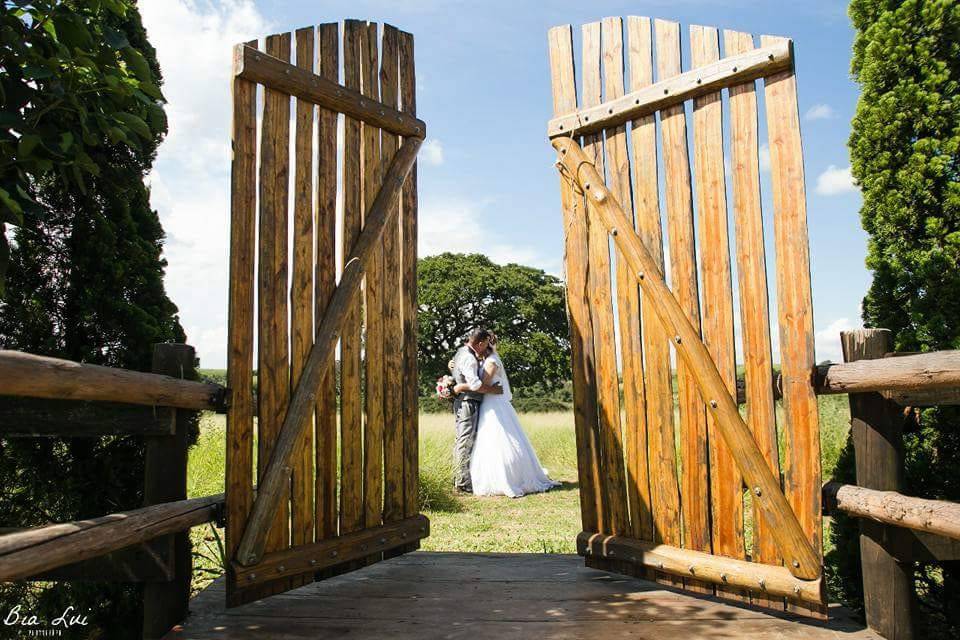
503	461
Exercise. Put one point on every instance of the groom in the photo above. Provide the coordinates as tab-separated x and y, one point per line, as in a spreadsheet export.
468	369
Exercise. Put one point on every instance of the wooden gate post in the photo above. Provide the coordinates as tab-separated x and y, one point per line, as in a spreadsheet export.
877	428
165	480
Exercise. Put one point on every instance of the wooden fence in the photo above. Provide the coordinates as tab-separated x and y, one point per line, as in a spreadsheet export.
42	396
309	498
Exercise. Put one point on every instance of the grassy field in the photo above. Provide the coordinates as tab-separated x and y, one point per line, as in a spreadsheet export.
543	523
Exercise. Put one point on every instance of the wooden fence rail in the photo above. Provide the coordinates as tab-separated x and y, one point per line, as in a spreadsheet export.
938	517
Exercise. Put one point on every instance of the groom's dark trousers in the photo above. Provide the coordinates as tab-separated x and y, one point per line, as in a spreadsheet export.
467	411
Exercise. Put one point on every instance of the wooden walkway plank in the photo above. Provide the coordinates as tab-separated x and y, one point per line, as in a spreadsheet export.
753	288
351	443
679	199
301	294
582	359
601	305
726	482
634	438
324	285
392	320
408	303
661	436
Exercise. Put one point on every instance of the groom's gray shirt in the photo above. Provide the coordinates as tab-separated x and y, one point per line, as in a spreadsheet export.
467	369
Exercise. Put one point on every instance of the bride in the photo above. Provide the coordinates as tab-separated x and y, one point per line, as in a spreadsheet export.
503	460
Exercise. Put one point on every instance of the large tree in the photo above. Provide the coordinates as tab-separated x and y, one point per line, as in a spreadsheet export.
81	85
905	152
524	306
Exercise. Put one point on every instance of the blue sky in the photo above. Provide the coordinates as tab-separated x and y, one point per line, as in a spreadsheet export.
487	180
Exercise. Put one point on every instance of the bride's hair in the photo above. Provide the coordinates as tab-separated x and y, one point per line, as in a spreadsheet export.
493	340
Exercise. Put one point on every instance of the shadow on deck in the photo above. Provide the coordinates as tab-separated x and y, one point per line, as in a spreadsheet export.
479	596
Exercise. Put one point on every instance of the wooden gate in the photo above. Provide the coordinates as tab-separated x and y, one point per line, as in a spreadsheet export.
693	497
322	500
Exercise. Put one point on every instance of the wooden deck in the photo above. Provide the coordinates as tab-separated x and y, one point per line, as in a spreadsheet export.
477	596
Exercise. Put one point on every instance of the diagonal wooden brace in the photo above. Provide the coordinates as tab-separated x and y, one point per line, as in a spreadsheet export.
275	480
801	558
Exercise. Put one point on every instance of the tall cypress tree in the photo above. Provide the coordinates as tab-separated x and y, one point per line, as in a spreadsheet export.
85	283
905	152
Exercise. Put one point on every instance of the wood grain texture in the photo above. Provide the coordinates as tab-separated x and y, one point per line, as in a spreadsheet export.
614	512
634	437
243	218
804	561
582	360
752	281
325	235
658	386
794	304
726	483
683	275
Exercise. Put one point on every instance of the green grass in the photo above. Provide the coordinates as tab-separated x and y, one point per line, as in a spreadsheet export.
541	523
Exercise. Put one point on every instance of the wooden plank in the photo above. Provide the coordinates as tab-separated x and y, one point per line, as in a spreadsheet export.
658	386
351	546
876	428
752	280
726	483
243	217
901	376
32	376
614	511
278	74
582	359
373	297
301	296
273	369
634	439
674	90
325	237
803	561
940	517
33	551
271	489
683	275
794	305
714	569
392	319
351	443
408	303
36	417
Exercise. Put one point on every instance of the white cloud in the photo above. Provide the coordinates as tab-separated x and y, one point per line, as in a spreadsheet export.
820	112
432	152
764	153
835	181
827	340
191	178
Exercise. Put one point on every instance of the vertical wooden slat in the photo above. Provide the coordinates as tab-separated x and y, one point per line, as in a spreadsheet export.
726	482
351	444
634	437
243	218
752	280
373	297
301	294
693	428
408	303
563	81
608	392
794	304
392	321
325	282
664	490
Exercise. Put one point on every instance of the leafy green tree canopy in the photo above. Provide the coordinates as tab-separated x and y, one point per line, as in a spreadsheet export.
522	305
70	81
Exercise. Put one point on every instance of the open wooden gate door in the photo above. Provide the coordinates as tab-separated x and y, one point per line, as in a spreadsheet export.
318	504
707	511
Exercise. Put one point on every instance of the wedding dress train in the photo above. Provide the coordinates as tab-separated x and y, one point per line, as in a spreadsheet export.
503	460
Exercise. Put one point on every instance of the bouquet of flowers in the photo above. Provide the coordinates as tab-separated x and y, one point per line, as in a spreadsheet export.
445	386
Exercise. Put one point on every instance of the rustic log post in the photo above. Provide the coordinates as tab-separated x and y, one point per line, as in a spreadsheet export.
876	425
165	480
